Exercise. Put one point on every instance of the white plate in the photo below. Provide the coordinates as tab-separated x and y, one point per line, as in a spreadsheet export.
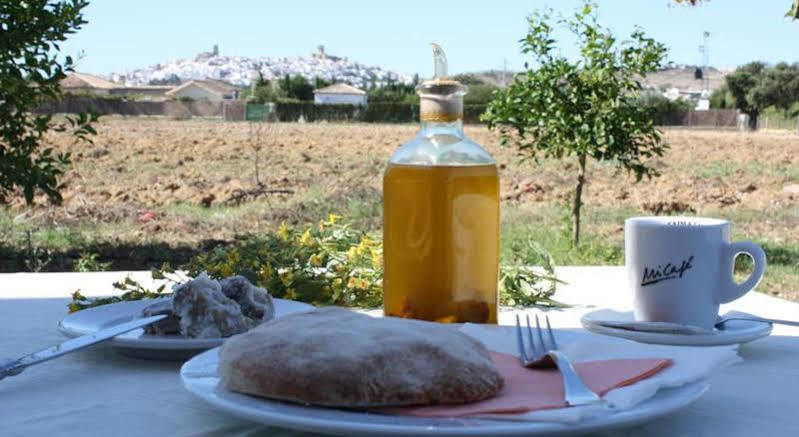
136	343
735	332
199	376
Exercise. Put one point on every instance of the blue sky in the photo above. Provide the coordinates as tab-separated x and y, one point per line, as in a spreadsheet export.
476	35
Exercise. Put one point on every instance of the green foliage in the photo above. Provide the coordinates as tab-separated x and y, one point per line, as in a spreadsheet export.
387	112
37	258
90	262
292	111
264	91
172	79
393	93
521	284
756	86
328	264
794	11
665	112
480	94
585	108
30	34
722	98
131	290
297	87
331	264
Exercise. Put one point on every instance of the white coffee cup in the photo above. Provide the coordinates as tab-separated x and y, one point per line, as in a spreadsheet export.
681	268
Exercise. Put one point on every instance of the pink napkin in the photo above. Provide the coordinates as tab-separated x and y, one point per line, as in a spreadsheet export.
540	389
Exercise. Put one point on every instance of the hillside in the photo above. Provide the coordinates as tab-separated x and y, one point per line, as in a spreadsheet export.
241	70
681	77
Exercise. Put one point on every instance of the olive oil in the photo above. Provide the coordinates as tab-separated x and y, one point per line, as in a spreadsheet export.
441	242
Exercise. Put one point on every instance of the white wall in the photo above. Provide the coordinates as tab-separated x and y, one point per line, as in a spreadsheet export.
339	99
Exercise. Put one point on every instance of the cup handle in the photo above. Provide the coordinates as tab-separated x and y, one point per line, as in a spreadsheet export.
734	291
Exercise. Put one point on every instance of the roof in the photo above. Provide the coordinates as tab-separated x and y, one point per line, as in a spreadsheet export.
340	88
82	80
212	86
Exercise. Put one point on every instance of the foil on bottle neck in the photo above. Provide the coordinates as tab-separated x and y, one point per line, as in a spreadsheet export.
441	101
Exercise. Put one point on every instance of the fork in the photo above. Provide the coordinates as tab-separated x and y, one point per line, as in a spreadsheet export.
545	354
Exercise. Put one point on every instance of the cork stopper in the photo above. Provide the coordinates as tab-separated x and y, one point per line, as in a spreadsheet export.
441	98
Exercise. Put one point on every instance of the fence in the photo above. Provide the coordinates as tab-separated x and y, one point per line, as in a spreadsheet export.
236	110
777	122
77	104
171	108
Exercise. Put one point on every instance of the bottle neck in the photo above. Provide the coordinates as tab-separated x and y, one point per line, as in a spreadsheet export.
429	127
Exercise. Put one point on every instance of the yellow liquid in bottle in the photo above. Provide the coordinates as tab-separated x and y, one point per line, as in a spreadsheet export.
441	242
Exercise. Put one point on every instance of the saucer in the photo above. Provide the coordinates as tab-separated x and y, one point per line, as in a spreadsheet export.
623	325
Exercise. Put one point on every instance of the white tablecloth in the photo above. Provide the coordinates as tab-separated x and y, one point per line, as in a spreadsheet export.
97	392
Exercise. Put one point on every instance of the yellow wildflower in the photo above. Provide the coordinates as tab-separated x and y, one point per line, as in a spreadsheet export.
377	259
306	239
283	231
225	270
266	272
285	277
290	294
332	219
233	256
363	284
352	253
352	283
364	246
316	260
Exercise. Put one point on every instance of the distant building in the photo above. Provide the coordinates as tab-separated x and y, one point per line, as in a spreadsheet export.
339	94
213	90
87	84
686	94
702	105
81	83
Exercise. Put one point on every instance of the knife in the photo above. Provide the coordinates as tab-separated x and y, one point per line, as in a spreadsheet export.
14	367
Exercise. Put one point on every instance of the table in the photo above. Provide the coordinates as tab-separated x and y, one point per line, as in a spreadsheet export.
98	392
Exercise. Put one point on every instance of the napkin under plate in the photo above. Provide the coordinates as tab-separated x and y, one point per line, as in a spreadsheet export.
688	365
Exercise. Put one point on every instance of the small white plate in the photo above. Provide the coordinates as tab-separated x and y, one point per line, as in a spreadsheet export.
140	345
199	376
735	331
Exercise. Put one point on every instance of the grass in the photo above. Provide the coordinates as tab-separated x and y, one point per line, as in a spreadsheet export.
546	224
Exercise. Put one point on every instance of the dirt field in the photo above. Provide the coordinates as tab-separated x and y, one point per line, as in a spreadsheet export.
198	179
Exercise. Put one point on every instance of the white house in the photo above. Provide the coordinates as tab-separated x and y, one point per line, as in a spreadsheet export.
204	90
339	94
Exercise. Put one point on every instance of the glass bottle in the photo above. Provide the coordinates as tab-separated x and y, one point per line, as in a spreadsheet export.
441	215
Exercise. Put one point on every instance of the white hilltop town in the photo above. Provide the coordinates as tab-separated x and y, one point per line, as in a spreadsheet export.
241	70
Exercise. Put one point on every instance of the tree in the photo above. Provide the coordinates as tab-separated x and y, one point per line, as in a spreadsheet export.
318	82
297	87
585	108
721	98
480	94
172	79
754	87
264	91
393	92
30	71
